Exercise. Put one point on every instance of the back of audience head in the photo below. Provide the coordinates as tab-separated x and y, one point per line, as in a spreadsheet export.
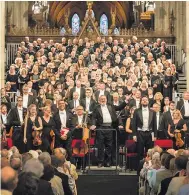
167	161
25	157
54	161
156	163
48	172
34	166
9	179
4	162
4	153
163	157
158	149
16	163
27	184
45	158
180	162
60	153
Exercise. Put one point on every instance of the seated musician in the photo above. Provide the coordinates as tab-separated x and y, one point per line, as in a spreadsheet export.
62	120
77	124
176	130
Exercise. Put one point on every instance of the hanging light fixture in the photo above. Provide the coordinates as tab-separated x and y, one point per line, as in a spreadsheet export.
37	7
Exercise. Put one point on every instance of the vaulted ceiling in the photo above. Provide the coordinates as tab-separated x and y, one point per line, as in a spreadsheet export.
58	9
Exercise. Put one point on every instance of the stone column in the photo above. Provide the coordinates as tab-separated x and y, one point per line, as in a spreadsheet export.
2	44
24	15
157	16
187	44
19	16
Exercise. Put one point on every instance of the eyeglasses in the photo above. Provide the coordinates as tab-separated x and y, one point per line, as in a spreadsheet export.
19	100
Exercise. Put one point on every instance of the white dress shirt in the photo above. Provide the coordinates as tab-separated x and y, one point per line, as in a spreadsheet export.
62	115
157	119
137	103
106	114
80	120
116	103
25	101
76	103
186	108
20	113
4	118
145	116
78	90
101	93
87	103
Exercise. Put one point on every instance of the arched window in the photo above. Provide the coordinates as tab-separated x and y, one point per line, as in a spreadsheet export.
75	24
116	31
104	24
62	31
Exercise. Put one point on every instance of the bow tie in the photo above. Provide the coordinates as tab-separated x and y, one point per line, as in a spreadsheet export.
61	112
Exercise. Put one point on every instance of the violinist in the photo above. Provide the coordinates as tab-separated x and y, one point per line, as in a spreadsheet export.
32	129
176	130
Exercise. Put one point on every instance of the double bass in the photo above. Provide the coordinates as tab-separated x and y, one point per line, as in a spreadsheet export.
85	137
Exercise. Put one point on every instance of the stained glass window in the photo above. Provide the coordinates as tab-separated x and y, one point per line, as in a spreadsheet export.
116	31
63	31
104	24
75	24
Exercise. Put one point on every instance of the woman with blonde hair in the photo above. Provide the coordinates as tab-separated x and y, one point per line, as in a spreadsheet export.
32	127
176	130
48	130
144	88
23	78
168	84
158	97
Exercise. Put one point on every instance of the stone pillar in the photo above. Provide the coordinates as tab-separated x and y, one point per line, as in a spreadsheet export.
157	16
187	44
19	16
2	44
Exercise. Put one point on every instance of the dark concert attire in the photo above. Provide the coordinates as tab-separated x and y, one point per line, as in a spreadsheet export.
105	118
178	126
46	137
167	92
144	124
62	119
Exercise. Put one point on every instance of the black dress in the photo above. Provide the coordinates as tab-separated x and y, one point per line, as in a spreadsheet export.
178	126
13	78
22	80
46	137
130	135
155	79
127	91
167	92
29	144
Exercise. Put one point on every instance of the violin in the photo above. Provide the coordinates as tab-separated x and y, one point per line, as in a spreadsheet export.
37	141
179	141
